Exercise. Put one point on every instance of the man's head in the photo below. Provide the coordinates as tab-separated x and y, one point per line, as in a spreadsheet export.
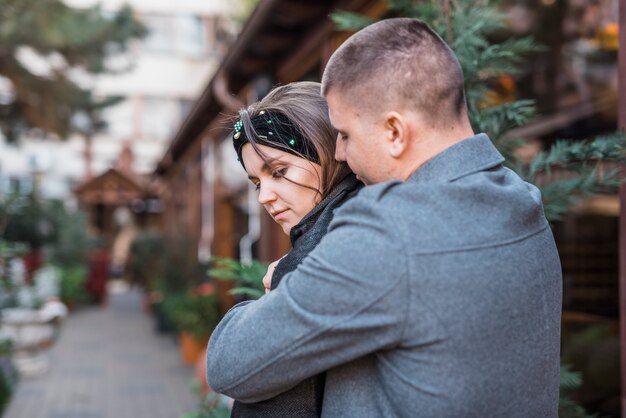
395	93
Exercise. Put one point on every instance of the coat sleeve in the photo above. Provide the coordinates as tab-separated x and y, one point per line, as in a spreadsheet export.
348	298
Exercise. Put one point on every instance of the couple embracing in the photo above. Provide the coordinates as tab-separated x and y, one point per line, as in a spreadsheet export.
423	279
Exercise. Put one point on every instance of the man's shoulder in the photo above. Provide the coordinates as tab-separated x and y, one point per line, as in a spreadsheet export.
379	199
396	195
377	192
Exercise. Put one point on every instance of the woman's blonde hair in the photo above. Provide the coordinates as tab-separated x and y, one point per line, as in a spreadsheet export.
302	103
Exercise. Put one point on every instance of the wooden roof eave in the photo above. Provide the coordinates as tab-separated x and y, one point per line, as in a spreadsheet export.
233	76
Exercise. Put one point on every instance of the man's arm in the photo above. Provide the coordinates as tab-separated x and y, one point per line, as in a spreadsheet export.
347	299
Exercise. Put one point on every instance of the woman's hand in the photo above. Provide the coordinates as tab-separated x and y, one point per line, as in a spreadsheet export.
267	279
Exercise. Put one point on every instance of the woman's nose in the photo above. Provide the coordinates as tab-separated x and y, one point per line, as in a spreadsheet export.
266	194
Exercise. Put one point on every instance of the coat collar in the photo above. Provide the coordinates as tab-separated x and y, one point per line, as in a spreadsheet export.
346	185
472	154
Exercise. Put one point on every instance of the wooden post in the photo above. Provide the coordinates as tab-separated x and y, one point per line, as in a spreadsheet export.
223	241
622	196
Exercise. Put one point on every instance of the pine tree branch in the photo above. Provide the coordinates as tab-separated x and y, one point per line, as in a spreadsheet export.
350	21
496	120
569	379
571	155
76	38
558	196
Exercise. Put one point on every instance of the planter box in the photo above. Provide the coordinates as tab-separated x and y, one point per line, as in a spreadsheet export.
191	348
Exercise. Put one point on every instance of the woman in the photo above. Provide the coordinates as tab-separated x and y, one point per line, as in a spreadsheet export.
286	144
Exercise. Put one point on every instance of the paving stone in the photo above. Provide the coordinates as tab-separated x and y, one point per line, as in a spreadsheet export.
109	363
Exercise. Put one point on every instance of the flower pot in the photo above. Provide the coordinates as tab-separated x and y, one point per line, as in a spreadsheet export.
191	348
200	370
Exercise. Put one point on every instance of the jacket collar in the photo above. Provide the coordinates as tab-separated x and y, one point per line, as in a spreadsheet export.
472	154
348	184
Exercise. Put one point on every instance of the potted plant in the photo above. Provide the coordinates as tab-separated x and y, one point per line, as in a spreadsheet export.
248	277
194	315
72	285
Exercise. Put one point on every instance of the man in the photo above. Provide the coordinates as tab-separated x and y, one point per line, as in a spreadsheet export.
437	290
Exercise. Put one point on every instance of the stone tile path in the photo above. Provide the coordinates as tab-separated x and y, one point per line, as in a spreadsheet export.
109	363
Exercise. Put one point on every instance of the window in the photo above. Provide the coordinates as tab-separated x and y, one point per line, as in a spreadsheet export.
160	117
119	119
183	34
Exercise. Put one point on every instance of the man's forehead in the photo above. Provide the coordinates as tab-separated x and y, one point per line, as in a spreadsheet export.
352	102
337	106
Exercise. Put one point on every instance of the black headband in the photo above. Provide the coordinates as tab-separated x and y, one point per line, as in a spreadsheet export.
275	130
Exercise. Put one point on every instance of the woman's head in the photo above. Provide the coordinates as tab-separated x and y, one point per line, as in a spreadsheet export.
287	145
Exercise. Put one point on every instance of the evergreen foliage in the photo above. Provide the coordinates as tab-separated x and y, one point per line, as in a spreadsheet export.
469	27
28	220
569	380
67	40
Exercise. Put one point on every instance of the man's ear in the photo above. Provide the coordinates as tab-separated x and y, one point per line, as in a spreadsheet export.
397	131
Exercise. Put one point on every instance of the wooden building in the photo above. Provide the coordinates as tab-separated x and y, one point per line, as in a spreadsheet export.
118	188
203	188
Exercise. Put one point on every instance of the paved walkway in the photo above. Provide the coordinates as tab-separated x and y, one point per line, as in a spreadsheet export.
109	363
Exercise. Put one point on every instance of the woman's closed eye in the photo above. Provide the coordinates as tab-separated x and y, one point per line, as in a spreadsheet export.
279	172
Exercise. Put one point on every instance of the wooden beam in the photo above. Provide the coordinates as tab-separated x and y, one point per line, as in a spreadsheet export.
320	42
564	117
622	194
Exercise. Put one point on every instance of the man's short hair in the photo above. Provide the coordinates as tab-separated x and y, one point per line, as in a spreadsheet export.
401	62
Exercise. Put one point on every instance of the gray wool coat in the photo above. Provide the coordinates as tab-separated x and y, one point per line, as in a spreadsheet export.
439	296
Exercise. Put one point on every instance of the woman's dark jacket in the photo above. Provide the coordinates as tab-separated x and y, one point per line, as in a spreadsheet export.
305	399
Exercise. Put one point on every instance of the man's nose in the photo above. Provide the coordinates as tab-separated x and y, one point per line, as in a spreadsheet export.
340	149
266	194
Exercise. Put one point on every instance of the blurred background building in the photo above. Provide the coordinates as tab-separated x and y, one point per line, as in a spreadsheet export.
159	77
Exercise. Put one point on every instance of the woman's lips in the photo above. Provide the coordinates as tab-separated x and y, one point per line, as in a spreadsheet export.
279	214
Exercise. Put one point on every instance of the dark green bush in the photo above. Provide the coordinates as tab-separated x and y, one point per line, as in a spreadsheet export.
193	313
8	375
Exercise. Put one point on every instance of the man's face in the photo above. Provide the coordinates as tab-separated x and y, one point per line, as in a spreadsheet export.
360	141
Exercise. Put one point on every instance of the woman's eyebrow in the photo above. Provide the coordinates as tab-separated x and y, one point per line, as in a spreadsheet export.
267	164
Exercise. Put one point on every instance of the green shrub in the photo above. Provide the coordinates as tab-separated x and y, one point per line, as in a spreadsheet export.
8	375
72	238
72	285
146	258
213	406
28	220
193	313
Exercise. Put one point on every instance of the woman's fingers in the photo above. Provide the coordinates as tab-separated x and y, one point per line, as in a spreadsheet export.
267	279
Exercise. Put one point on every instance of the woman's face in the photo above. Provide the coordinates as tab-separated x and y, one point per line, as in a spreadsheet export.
287	184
